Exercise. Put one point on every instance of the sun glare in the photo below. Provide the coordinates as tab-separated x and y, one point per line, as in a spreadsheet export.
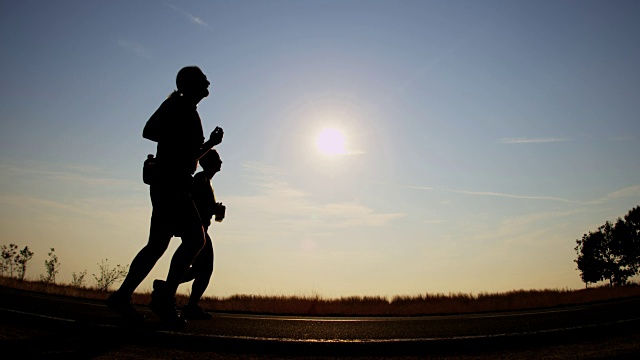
331	141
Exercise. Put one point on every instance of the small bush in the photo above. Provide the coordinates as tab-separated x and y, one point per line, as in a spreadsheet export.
52	266
108	275
78	279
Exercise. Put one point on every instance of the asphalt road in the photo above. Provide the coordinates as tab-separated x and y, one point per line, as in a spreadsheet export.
54	326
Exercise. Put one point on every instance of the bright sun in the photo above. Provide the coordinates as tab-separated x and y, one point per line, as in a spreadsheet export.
331	141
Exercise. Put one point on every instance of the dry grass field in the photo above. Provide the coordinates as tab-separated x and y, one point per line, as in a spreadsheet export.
316	305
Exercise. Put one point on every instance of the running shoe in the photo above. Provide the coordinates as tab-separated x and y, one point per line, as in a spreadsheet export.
195	313
121	304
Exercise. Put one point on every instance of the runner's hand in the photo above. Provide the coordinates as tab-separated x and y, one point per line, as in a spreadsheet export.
216	136
221	212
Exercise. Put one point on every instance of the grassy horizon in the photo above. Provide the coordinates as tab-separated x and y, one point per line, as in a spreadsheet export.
400	305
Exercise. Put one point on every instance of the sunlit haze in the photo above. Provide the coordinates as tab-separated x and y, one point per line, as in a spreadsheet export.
331	141
370	147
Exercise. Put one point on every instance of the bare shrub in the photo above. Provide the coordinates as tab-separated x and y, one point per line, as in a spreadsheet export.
8	258
21	261
52	266
78	279
108	275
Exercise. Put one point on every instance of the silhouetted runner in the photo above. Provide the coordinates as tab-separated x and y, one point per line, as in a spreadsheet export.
202	268
177	129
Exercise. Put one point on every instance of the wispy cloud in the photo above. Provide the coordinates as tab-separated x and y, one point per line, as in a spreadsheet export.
417	187
523	228
494	194
134	47
43	205
350	214
513	196
627	192
354	152
622	138
433	221
68	173
532	140
113	210
283	208
194	19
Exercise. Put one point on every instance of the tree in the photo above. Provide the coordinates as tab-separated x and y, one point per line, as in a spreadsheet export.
21	261
590	263
4	260
617	257
632	222
8	258
4	267
108	276
612	252
52	266
78	279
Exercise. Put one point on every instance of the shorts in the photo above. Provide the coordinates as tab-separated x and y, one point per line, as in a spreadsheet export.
174	210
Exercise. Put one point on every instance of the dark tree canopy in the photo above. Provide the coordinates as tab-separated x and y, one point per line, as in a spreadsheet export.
612	252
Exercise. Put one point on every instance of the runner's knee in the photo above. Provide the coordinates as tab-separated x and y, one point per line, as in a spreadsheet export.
156	249
195	241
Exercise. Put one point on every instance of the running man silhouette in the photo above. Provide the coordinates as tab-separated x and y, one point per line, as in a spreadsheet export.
177	129
202	268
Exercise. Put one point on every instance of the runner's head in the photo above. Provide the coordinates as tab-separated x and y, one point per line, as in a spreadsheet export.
211	162
192	82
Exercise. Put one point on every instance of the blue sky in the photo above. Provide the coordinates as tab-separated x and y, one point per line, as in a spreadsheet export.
483	138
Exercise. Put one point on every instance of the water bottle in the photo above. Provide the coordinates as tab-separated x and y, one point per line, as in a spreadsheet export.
149	170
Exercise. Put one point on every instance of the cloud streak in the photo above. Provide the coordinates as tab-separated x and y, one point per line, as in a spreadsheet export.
532	140
493	194
418	187
433	221
513	196
134	47
68	173
627	192
194	19
283	208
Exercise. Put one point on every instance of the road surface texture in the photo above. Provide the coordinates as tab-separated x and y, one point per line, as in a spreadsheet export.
35	325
